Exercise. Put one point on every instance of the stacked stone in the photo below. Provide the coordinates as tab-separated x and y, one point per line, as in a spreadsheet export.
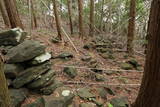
27	63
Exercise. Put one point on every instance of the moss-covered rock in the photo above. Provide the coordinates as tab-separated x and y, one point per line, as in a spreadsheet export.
70	71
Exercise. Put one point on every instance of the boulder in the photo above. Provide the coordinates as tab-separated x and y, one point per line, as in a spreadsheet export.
42	80
25	51
70	71
18	96
30	74
41	59
12	37
119	102
12	70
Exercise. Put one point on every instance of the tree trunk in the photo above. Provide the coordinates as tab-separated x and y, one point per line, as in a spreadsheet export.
150	89
102	15
33	19
4	93
4	14
57	18
91	32
80	8
131	27
70	15
13	13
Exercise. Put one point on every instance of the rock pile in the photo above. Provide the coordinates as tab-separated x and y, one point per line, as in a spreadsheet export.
27	63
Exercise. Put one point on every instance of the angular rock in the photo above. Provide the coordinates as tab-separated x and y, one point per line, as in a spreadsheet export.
42	80
87	105
85	93
25	51
119	102
99	77
30	74
59	101
126	66
18	96
70	71
12	70
49	89
12	37
65	56
41	59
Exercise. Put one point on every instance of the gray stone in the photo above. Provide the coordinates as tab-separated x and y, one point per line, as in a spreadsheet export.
25	51
99	77
85	93
12	37
70	71
30	74
59	101
119	102
42	80
18	96
65	56
12	70
51	88
86	58
87	105
41	59
126	66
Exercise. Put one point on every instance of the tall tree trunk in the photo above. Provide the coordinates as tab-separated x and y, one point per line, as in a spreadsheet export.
4	94
13	13
91	32
70	15
4	14
102	15
131	27
33	19
57	18
150	89
80	8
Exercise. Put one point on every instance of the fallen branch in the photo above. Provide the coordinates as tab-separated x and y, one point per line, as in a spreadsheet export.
103	69
91	83
69	39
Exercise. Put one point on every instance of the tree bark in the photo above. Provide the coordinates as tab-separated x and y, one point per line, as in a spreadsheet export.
70	15
34	19
131	27
13	13
57	18
80	8
149	94
4	93
102	15
4	14
91	32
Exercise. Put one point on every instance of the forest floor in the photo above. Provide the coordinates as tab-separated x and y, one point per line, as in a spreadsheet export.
123	83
